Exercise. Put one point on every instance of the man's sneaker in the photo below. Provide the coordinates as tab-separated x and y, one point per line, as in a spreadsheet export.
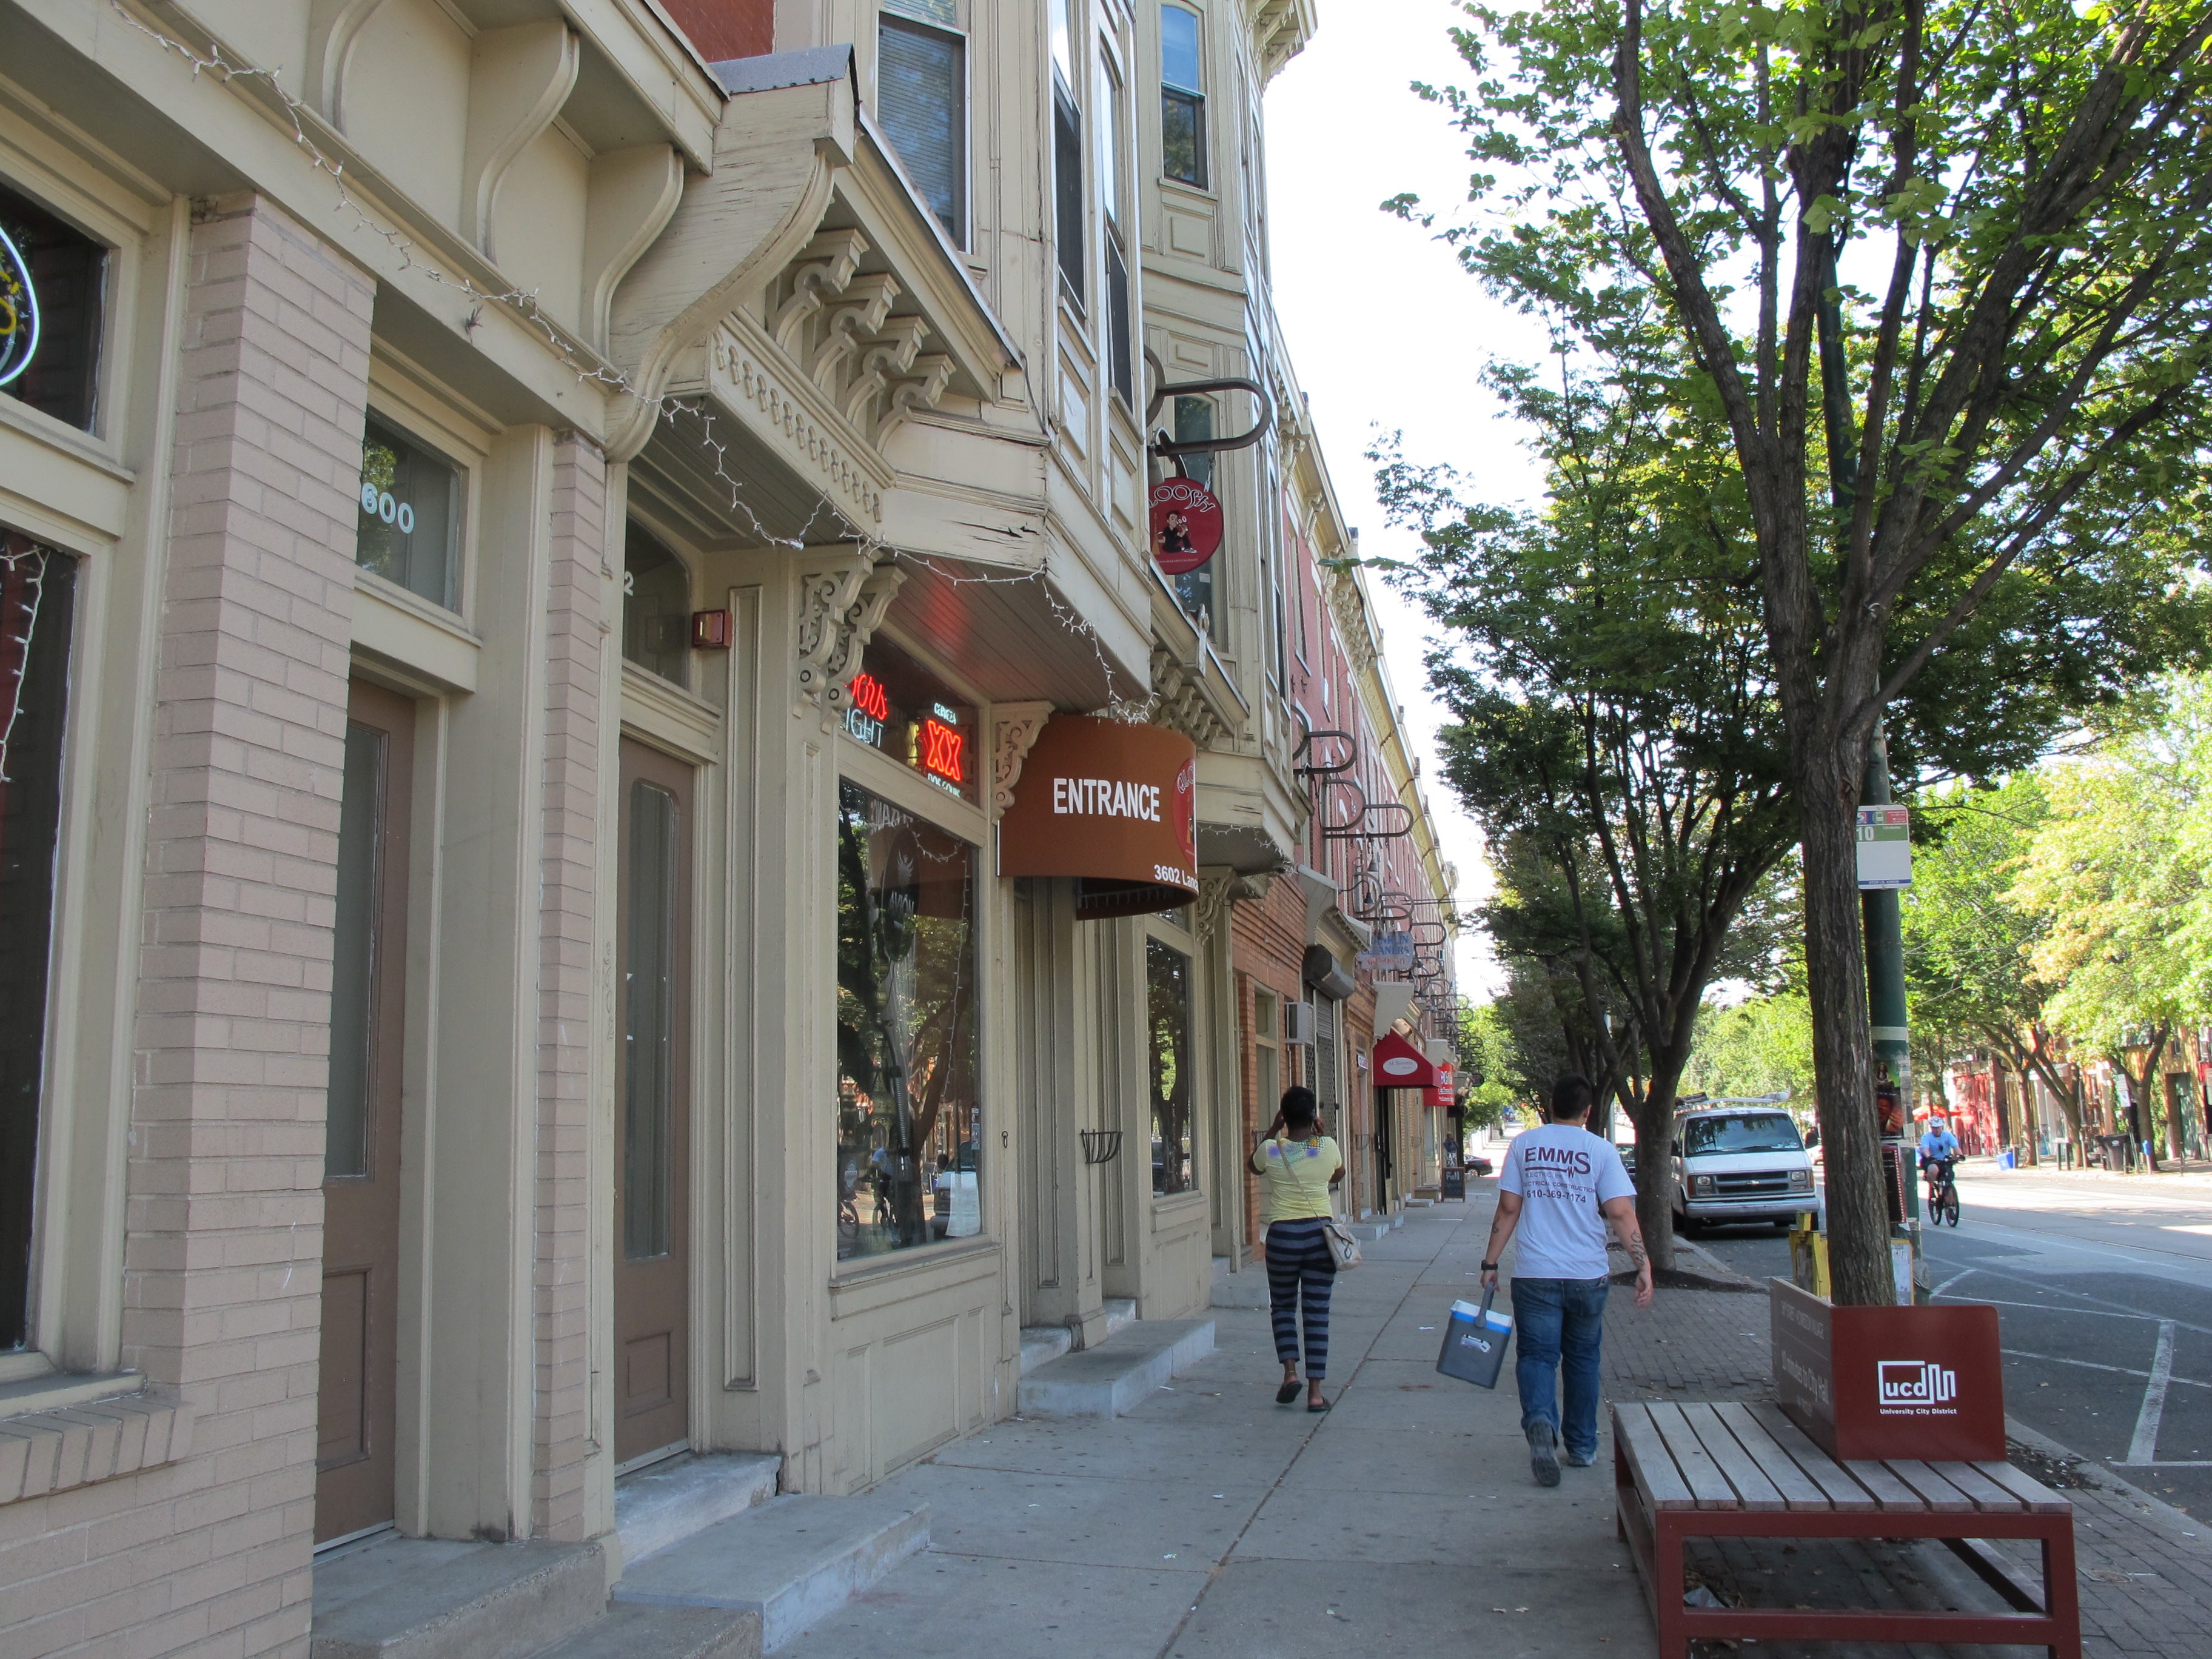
1580	1461
1543	1460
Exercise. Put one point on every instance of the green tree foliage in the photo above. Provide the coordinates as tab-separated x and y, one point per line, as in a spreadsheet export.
1970	939
1981	234
1488	1048
1760	1046
2116	875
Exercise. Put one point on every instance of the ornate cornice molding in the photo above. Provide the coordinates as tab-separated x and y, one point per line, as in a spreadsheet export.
839	611
1180	703
1014	728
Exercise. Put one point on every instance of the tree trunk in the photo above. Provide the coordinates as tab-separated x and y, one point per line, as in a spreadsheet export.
1842	1057
1654	1164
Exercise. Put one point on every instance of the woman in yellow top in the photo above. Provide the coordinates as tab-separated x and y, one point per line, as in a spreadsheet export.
1298	1165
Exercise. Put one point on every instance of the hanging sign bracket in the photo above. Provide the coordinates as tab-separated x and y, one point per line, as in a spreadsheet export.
1170	449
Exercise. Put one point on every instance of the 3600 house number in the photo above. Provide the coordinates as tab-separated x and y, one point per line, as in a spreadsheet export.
381	504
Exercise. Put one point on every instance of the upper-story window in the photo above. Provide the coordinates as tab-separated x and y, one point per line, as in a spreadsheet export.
656	607
921	96
408	527
1183	98
1067	156
1113	188
53	296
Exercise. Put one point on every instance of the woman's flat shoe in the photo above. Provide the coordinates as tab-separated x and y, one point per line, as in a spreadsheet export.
1316	1405
1286	1393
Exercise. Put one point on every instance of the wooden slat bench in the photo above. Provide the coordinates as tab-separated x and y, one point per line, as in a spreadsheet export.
1739	1470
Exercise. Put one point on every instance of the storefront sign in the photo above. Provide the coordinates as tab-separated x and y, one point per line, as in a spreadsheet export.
1186	525
19	316
898	707
1924	1382
1885	847
1390	952
1114	804
1399	1064
1445	1095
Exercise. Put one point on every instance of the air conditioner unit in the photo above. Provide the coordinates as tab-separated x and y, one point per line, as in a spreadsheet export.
1297	1022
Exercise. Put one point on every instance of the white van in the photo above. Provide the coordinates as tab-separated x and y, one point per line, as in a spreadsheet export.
1741	1163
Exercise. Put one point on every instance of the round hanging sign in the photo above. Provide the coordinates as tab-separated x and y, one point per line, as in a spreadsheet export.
1186	525
19	313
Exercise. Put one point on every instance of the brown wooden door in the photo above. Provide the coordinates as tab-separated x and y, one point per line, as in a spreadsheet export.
652	1096
359	1398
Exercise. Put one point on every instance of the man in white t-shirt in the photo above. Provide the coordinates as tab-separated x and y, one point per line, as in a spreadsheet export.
1560	1187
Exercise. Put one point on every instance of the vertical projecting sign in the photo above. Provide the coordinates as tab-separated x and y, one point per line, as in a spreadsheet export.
18	312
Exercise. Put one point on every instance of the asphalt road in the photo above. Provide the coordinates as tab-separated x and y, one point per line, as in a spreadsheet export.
2103	1287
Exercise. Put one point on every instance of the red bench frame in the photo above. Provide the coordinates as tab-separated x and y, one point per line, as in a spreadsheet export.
1656	1537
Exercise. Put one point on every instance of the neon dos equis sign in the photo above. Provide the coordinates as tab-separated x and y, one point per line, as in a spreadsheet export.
18	312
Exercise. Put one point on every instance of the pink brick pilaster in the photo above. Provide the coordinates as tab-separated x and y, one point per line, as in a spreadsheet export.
223	1249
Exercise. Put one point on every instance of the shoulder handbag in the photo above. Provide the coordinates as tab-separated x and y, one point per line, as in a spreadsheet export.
1342	1243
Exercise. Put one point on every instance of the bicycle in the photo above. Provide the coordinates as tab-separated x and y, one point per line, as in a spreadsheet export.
1942	1192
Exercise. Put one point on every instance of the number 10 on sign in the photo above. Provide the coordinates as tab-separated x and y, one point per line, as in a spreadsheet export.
1885	847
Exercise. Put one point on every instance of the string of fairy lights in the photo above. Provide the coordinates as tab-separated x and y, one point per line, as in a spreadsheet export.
667	408
15	560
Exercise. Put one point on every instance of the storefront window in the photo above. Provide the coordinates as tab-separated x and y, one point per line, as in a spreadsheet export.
1167	980
909	1127
410	518
37	588
900	708
656	608
53	294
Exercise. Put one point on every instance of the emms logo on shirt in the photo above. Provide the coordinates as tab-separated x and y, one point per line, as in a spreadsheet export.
1557	1157
1909	1385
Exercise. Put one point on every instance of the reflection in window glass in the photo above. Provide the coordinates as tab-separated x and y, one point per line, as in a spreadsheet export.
1167	997
656	608
649	1022
37	593
1182	100
1194	420
920	93
54	298
409	518
1763	1132
353	954
909	1127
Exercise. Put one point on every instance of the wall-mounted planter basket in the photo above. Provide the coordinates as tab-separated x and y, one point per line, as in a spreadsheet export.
1101	1146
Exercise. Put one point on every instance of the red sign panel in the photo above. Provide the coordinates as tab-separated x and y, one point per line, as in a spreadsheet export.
1889	1382
1186	525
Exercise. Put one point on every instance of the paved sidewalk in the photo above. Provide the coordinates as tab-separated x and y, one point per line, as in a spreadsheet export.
1210	1524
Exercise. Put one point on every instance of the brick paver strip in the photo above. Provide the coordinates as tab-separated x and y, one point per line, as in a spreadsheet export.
2146	1568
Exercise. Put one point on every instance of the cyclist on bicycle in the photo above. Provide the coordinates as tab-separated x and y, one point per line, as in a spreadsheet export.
1939	1151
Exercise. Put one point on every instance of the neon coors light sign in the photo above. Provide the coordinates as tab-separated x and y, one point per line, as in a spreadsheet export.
18	312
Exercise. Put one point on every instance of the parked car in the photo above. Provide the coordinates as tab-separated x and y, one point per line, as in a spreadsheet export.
1741	1163
1477	1162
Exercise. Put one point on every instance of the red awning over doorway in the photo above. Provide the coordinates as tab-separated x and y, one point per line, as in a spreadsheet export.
1399	1064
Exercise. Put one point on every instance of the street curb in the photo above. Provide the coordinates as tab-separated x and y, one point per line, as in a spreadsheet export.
2184	1529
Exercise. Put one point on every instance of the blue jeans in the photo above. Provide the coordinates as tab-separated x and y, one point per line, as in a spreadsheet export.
1558	1324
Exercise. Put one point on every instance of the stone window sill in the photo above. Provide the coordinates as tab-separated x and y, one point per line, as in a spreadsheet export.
58	1431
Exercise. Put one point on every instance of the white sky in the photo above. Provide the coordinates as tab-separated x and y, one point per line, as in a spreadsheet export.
1385	330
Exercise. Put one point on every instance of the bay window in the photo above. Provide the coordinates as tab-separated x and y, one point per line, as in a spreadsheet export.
922	99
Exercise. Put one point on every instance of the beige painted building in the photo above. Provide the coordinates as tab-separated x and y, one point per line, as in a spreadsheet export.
545	532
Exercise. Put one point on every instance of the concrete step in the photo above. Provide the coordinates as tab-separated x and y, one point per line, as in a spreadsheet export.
791	1561
1042	1344
1371	1230
1119	1372
1121	1313
666	1503
428	1598
624	1632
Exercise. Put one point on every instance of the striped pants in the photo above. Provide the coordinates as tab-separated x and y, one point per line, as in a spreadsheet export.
1298	1259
